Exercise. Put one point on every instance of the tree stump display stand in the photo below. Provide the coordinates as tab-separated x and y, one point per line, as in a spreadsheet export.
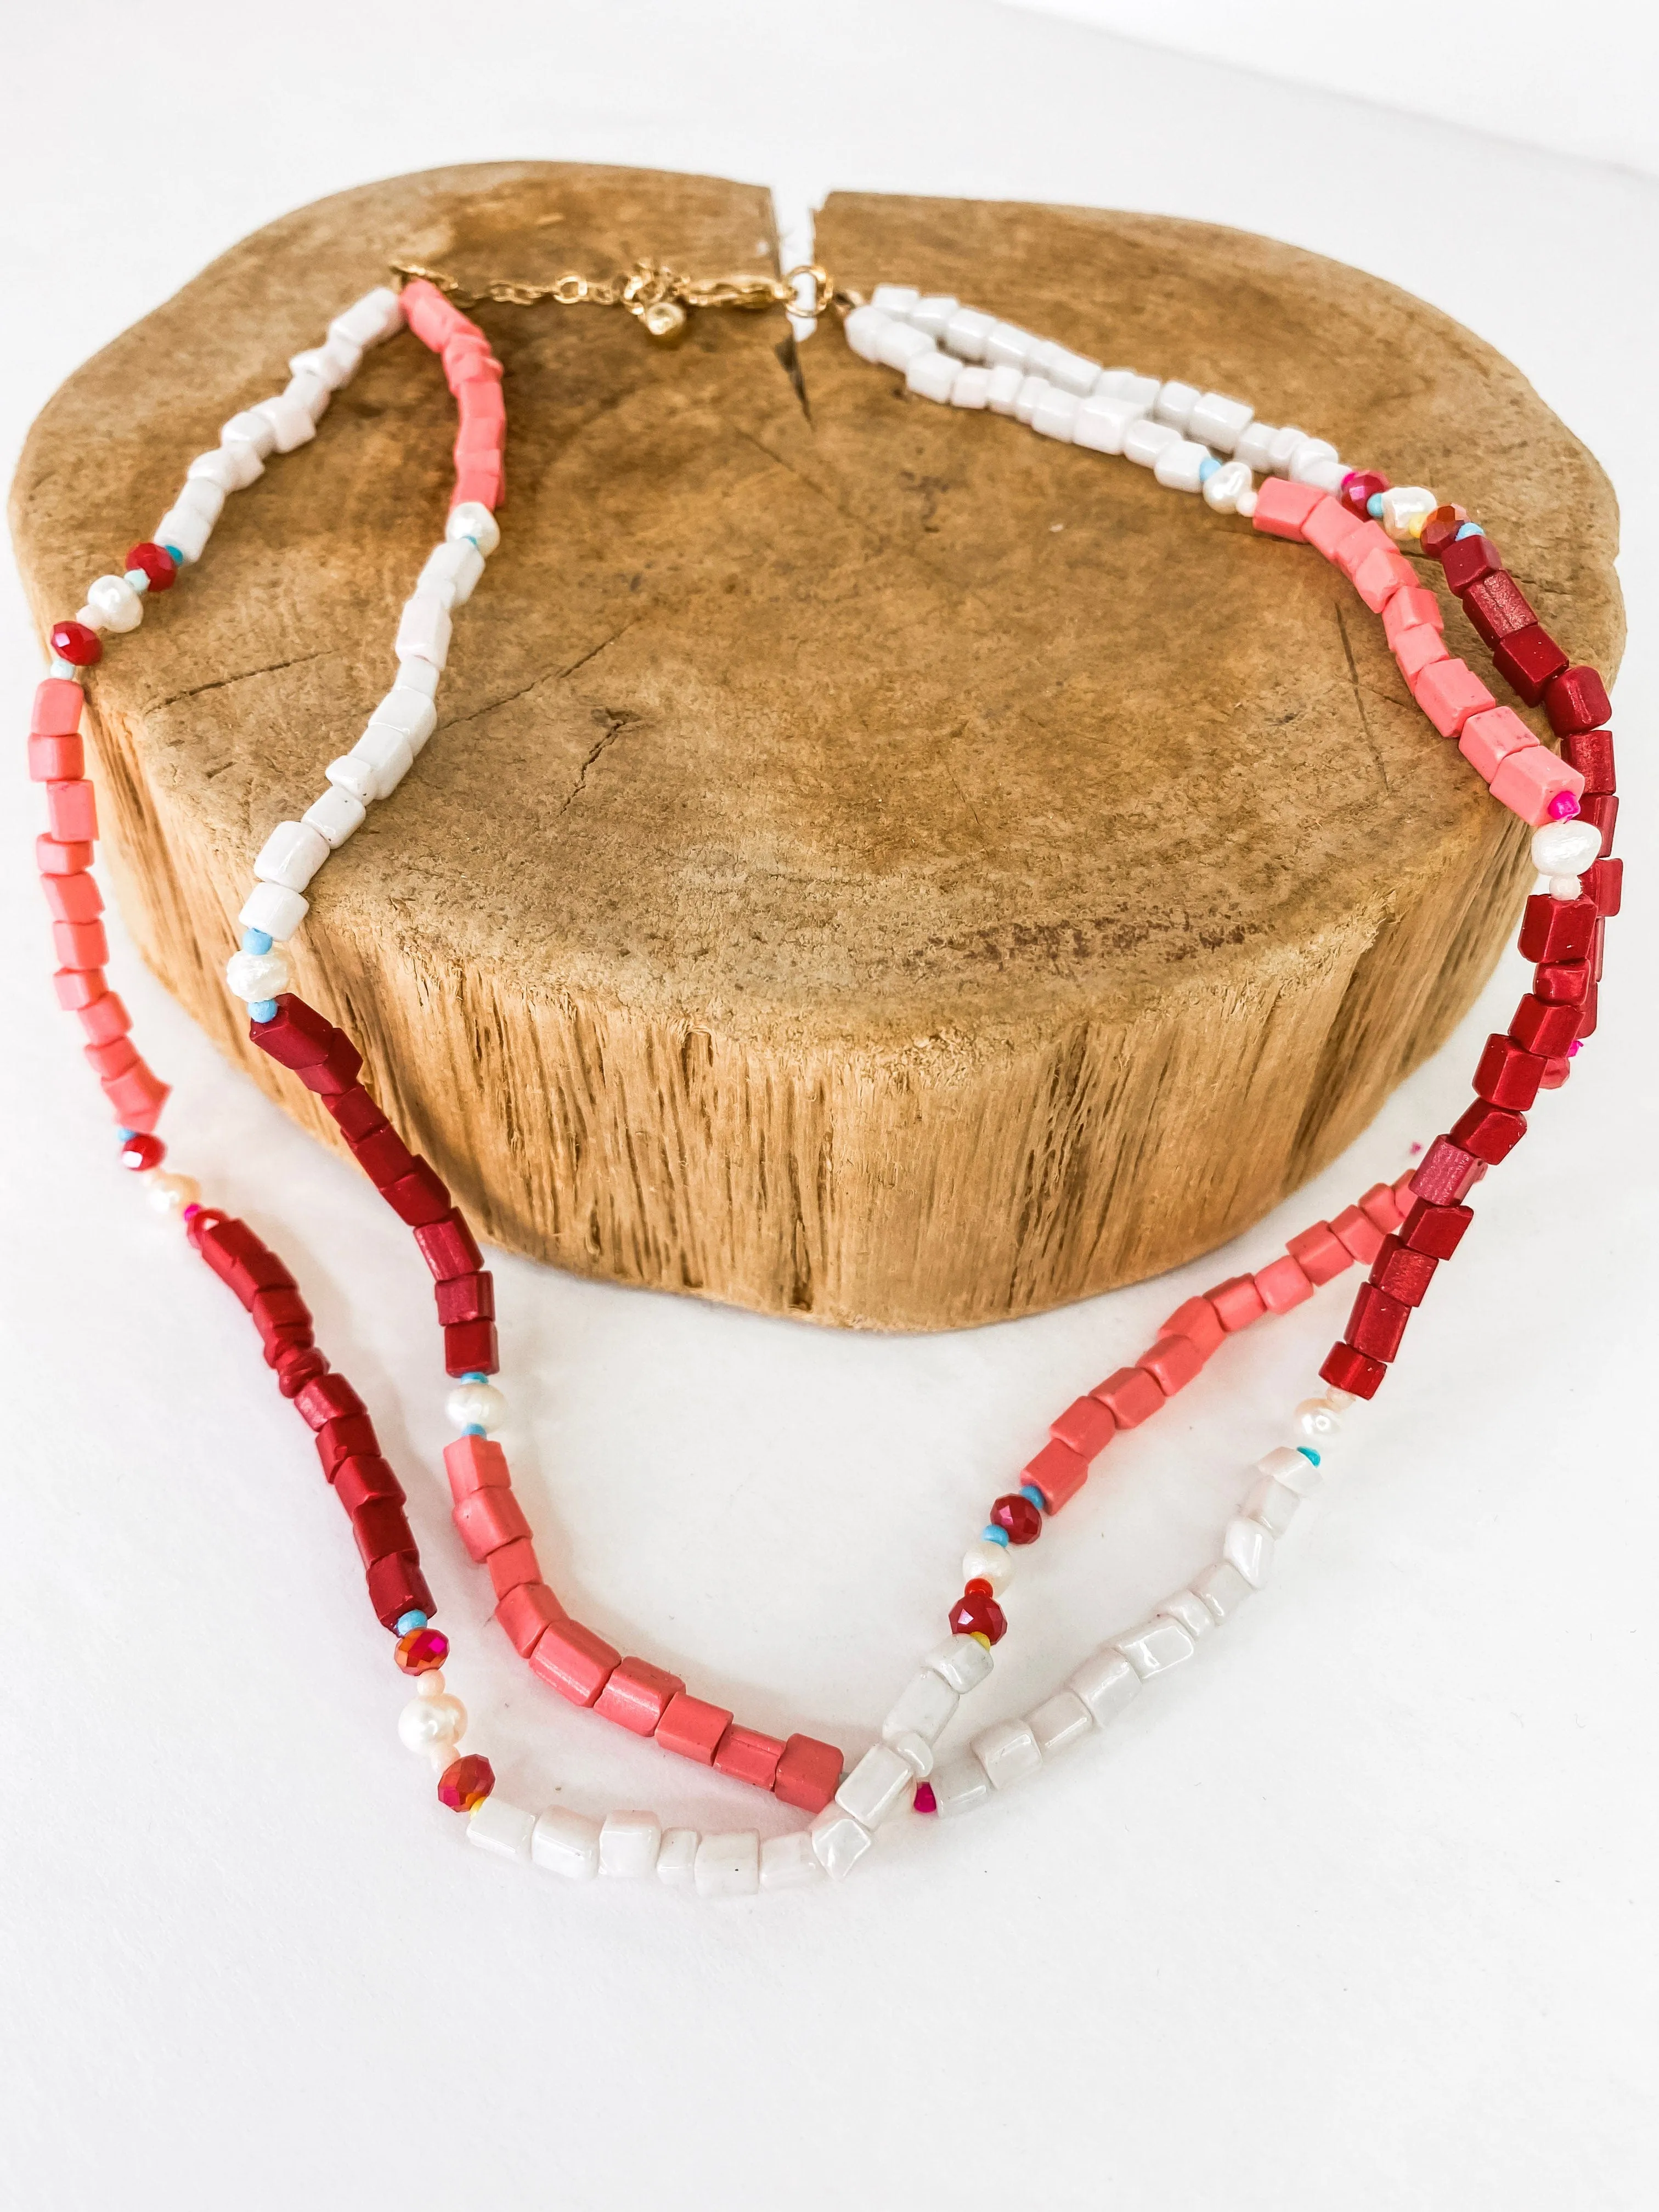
872	865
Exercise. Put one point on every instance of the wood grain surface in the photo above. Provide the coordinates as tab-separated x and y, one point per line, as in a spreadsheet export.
872	865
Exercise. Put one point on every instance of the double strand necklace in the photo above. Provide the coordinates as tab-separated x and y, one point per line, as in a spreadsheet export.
1193	442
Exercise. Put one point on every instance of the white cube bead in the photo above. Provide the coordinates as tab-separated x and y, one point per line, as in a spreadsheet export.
472	519
839	1841
1124	383
291	856
566	1843
972	387
895	299
201	495
333	364
1178	467
1143	441
1308	452
1106	1683
409	712
1293	1469
966	332
335	816
376	315
1072	372
789	1862
233	468
1055	414
251	428
925	1707
418	676
897	345
960	1785
502	1828
1156	1646
277	912
1223	1590
1029	397
290	422
932	374
1007	1751
932	314
311	393
1189	1609
1255	445
1102	422
916	1751
1250	1549
187	532
1059	1721
1272	1505
728	1865
963	1661
863	330
1220	422
423	630
455	565
1283	445
1002	389
881	1778
1007	346
677	1860
119	606
628	1843
352	774
388	756
1326	476
1229	484
1175	404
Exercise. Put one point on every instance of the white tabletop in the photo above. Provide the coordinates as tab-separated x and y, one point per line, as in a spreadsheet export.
1356	1909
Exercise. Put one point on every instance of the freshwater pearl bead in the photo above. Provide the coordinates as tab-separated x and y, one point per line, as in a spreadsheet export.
255	975
1564	887
988	1562
431	1684
476	1406
119	606
1223	490
171	1193
471	519
1559	848
425	1722
1406	508
1318	1420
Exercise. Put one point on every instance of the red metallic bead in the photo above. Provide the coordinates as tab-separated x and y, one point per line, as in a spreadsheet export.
978	1615
1527	659
1377	1322
1557	929
157	564
1507	1074
1498	607
449	1248
1356	1372
1577	700
1446	1173
466	1784
1359	487
1602	808
421	1650
74	642
354	1112
465	1297
1441	530
1544	1026
1437	1229
1590	751
397	1586
1403	1272
140	1153
1556	1073
1489	1133
1562	982
1469	561
1604	884
1018	1517
299	1367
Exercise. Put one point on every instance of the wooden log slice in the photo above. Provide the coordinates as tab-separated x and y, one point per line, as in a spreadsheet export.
873	864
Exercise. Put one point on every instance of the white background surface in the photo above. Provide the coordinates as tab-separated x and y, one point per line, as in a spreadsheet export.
1357	1910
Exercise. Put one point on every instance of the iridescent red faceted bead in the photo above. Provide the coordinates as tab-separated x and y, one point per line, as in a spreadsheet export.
466	1784
421	1650
74	642
1018	1518
141	1152
156	563
976	1612
1359	488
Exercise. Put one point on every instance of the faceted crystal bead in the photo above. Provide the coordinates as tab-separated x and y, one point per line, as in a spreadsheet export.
141	1152
156	563
978	1614
465	1784
1360	489
1019	1517
74	642
421	1650
1441	530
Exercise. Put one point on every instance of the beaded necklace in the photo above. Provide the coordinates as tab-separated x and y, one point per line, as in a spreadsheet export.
1192	442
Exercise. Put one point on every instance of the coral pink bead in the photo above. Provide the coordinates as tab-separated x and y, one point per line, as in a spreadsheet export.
1283	1285
1018	1517
979	1614
421	1650
1282	507
809	1774
140	1153
74	642
157	564
466	1784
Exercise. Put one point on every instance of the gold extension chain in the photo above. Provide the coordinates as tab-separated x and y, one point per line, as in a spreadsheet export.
658	297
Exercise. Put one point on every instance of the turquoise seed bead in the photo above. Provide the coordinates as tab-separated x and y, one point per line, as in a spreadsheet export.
991	1533
1206	470
1374	507
1029	1490
255	940
65	668
1308	1453
1471	529
262	1010
407	1623
472	1428
178	557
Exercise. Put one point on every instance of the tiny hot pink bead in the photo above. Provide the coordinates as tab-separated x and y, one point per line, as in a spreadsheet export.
925	1800
1563	807
1575	1047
